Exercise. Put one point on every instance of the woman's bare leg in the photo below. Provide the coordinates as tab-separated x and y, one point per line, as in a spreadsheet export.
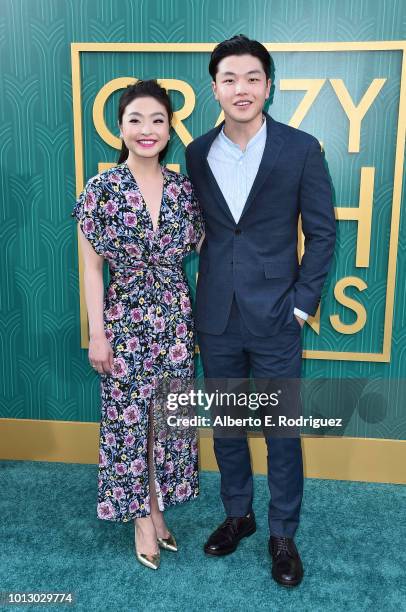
151	527
156	514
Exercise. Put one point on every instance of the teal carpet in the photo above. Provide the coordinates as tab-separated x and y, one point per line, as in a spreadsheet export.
352	541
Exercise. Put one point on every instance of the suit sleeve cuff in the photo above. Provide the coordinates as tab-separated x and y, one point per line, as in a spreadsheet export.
300	313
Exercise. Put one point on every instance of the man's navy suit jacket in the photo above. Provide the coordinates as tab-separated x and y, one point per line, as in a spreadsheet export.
256	258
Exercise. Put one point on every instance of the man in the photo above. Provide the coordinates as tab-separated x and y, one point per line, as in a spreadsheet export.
253	177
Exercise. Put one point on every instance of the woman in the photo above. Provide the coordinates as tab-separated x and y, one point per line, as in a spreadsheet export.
143	219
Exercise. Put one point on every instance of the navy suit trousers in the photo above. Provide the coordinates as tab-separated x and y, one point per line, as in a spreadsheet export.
236	353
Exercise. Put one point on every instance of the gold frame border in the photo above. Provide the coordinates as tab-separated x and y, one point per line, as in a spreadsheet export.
330	457
77	48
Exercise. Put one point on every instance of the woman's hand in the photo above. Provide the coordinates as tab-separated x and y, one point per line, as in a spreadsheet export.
101	354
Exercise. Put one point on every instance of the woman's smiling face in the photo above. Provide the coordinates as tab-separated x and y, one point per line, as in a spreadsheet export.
145	127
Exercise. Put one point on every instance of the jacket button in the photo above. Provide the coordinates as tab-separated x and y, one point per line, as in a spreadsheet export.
237	231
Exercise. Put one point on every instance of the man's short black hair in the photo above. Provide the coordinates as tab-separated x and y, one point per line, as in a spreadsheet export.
240	45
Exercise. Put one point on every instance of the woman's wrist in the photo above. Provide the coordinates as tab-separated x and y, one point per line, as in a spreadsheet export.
97	335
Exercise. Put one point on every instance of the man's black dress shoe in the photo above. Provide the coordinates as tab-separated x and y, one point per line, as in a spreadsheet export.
225	539
287	567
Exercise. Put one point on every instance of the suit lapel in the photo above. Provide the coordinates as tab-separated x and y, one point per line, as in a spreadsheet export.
273	145
211	180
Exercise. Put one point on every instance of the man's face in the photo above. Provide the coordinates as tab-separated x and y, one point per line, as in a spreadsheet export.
241	87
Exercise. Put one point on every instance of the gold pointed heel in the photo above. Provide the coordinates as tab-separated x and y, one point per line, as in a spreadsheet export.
151	561
168	543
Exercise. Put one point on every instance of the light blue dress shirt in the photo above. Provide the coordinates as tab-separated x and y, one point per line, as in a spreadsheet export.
235	171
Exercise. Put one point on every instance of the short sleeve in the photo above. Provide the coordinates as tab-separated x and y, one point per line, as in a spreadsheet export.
195	218
89	214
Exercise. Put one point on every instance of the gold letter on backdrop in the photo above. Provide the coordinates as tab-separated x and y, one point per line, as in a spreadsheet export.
354	113
353	328
362	214
312	88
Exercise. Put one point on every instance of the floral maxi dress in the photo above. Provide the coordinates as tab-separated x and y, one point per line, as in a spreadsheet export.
148	322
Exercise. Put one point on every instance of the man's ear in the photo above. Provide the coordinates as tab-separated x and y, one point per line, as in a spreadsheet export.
268	88
214	88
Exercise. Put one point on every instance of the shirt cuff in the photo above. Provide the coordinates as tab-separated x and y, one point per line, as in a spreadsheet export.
300	313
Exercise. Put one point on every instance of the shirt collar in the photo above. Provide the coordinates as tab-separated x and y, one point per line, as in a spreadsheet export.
259	137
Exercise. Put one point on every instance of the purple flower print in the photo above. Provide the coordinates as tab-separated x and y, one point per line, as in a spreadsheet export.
88	226
177	353
115	177
149	280
111	208
111	233
148	364
111	411
181	330
109	335
130	219
111	293
173	191
115	312
102	458
155	350
168	467
90	201
120	368
187	187
168	297
175	386
134	505
133	344
146	391
183	490
129	440
159	455
137	488
131	414
188	471
118	493
159	324
178	445
185	305
164	489
133	250
190	235
120	468
136	315
117	394
110	439
105	510
134	199
137	466
165	240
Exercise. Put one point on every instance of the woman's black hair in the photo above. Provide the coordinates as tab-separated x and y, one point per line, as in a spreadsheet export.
240	45
143	89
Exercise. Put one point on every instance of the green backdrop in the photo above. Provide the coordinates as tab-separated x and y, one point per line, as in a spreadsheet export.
44	371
